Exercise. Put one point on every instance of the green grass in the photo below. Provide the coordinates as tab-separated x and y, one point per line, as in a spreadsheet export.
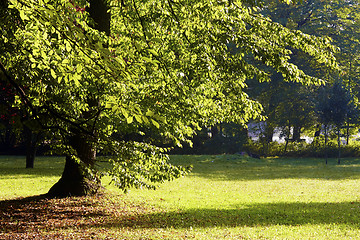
16	181
225	197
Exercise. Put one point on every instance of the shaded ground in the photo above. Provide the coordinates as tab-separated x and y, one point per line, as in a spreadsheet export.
66	218
105	217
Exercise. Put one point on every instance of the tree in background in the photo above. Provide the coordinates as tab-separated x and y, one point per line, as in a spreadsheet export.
334	107
338	20
18	136
93	70
295	112
340	103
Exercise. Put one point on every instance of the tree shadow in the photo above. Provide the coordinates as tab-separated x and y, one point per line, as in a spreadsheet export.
86	215
41	213
271	214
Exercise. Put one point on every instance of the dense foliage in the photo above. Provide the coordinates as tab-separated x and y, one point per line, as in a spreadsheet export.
295	109
151	68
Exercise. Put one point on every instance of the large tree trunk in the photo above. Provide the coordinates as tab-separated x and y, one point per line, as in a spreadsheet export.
75	181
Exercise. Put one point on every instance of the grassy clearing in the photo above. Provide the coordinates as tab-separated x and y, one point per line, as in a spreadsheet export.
225	197
16	181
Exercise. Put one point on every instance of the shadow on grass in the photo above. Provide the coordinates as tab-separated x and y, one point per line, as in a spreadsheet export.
292	214
39	214
42	214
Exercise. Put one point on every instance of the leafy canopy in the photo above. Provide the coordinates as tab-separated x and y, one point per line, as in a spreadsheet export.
165	68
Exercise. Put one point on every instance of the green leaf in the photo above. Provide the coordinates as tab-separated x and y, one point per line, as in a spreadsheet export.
152	51
129	120
124	112
137	46
79	68
149	113
108	105
138	118
76	78
53	74
23	16
68	46
156	124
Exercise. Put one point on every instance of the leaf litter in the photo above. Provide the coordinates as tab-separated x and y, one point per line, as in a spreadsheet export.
91	217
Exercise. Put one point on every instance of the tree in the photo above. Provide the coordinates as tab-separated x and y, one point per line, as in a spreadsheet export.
334	107
338	20
151	66
339	102
295	112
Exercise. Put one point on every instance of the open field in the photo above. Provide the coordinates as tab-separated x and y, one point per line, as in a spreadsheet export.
225	197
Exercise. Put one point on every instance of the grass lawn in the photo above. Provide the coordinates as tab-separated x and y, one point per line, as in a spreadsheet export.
225	197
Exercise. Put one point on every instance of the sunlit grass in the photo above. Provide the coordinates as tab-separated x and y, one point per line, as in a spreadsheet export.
236	197
16	181
225	197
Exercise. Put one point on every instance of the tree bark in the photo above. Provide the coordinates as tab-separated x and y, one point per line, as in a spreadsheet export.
326	138
31	142
347	133
75	181
339	145
287	138
296	133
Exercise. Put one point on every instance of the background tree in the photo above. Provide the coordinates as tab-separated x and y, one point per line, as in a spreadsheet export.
338	20
162	66
334	106
17	134
295	112
339	102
